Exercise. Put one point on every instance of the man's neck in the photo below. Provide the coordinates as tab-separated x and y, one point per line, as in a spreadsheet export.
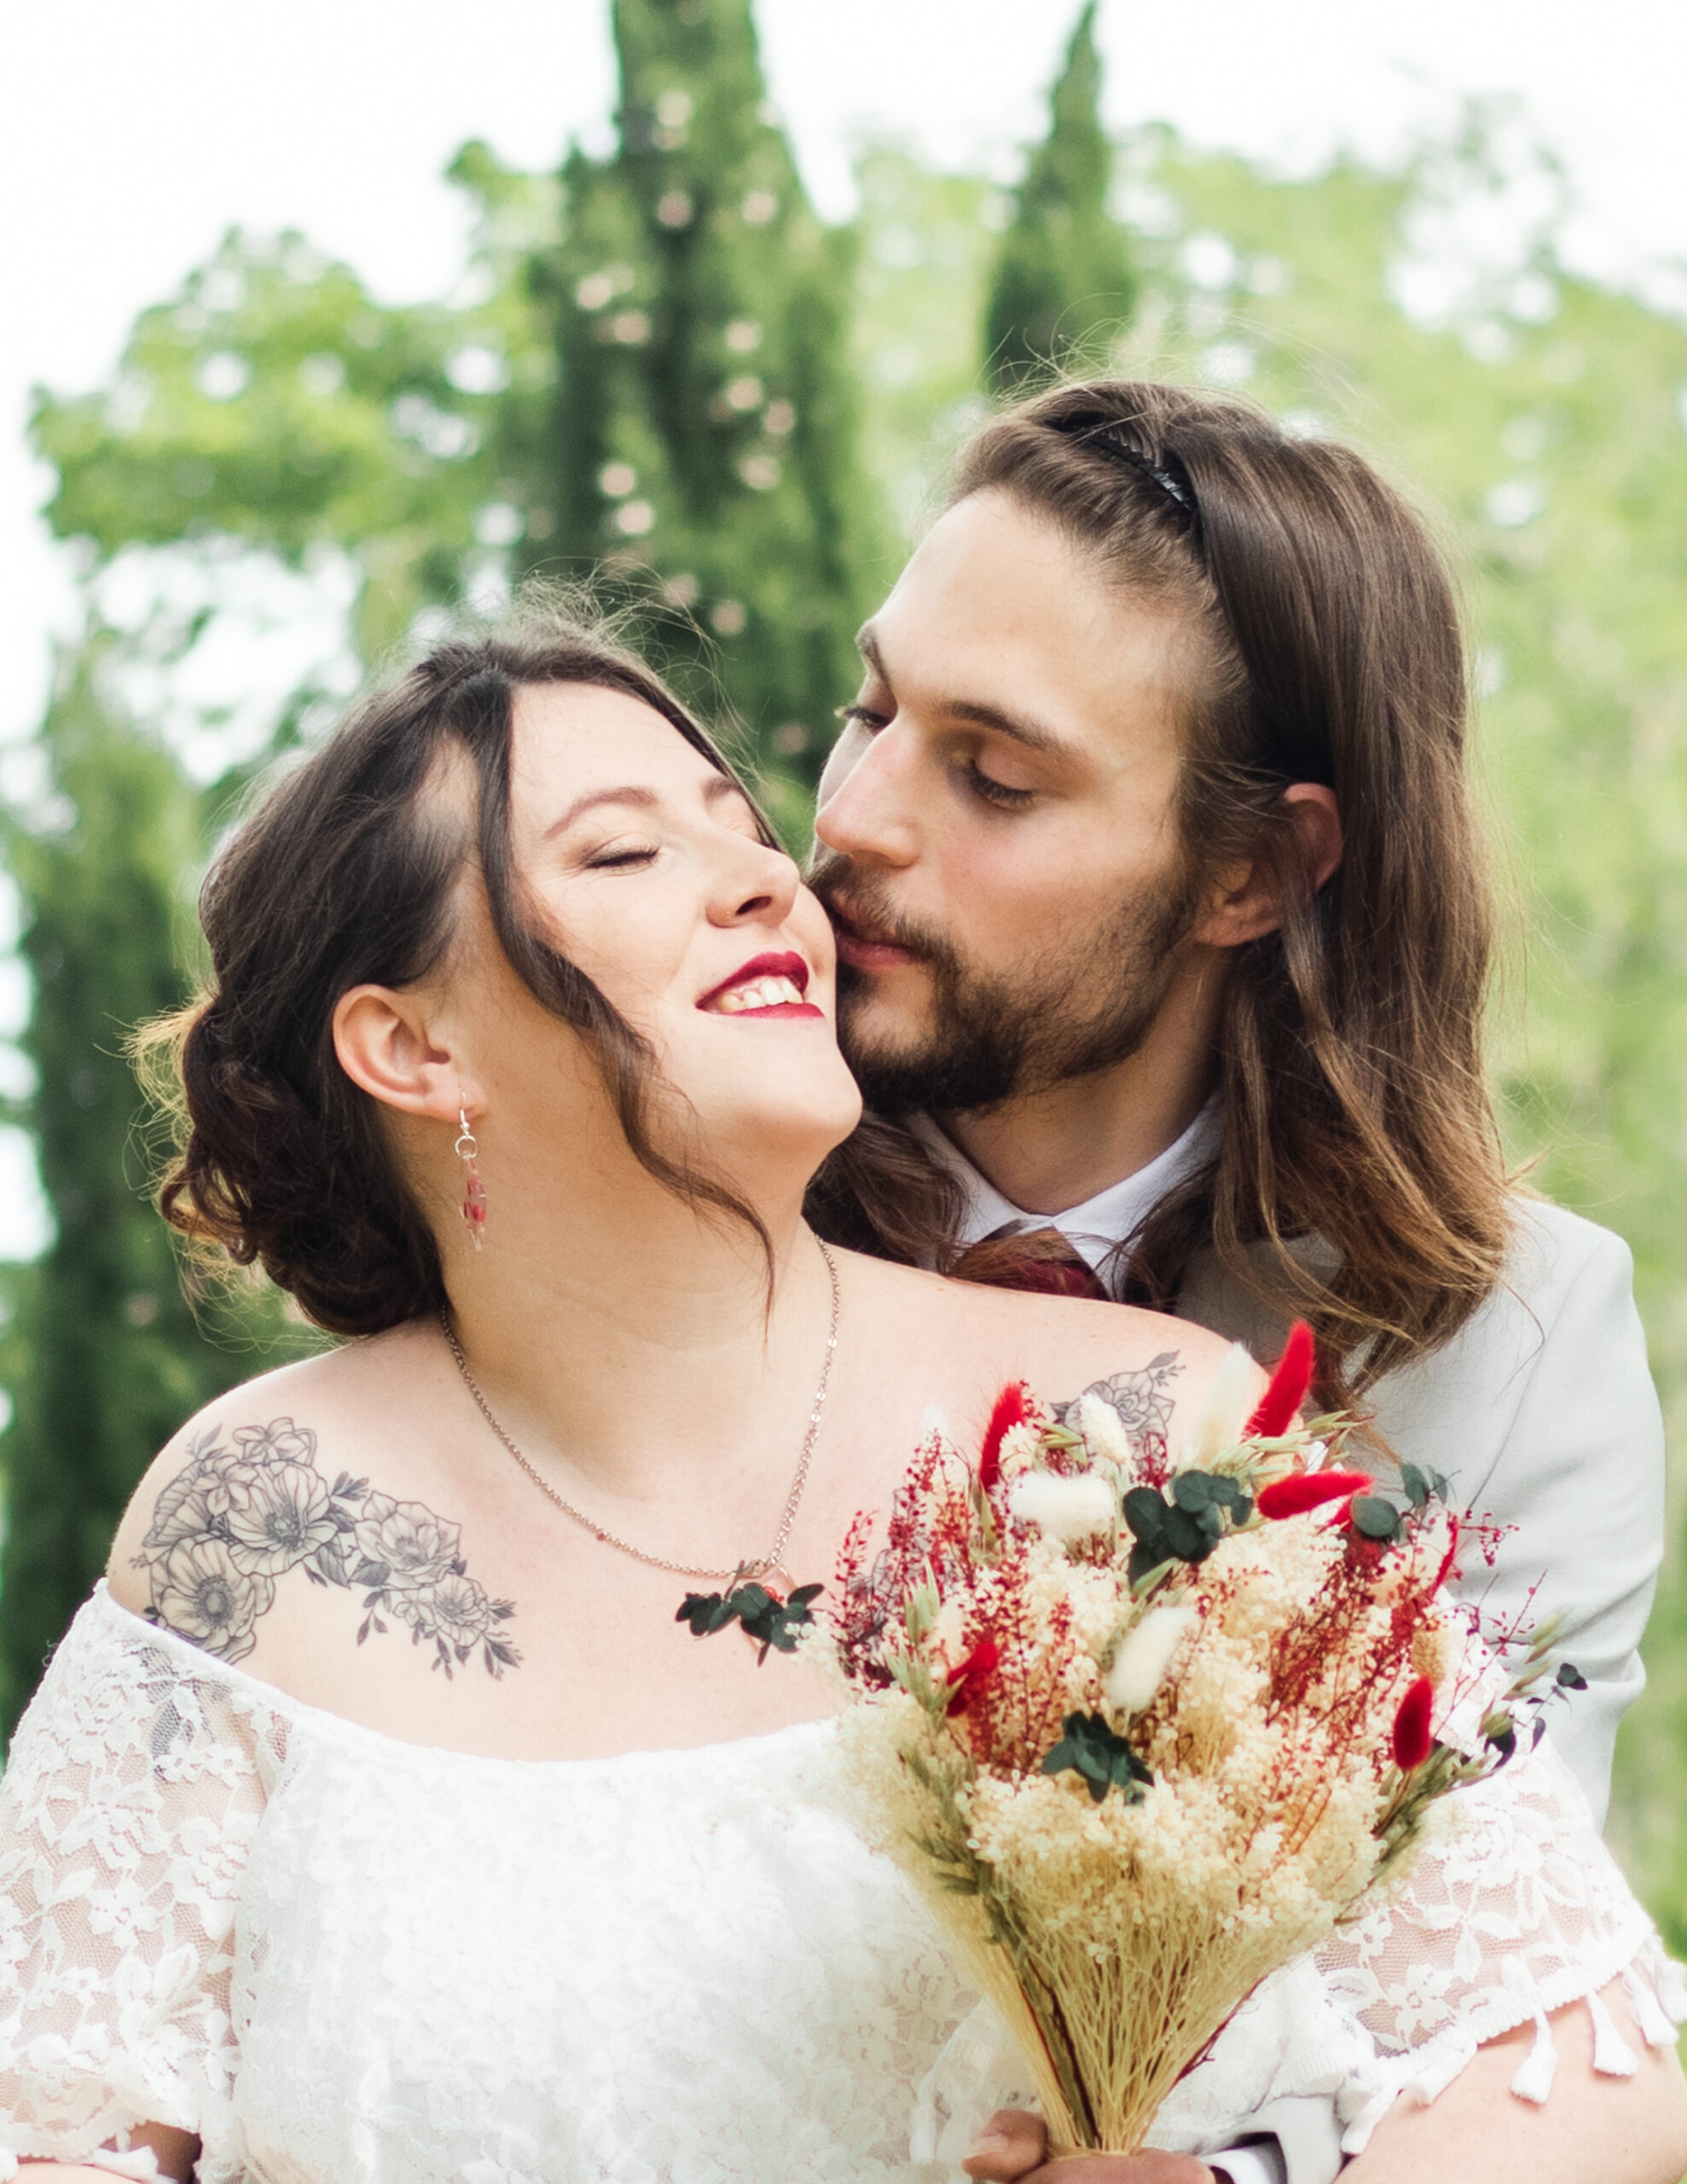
1046	1152
1050	1151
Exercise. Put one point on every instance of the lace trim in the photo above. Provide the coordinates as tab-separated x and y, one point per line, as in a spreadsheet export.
133	1789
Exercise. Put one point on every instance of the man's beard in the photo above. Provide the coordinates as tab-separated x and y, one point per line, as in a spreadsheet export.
989	1039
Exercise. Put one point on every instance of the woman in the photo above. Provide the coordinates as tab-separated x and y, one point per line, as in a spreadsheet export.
378	1821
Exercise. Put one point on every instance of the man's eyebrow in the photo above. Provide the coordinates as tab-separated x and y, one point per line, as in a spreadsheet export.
1032	733
640	796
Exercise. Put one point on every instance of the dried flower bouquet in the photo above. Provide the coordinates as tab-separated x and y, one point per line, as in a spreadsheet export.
1142	1724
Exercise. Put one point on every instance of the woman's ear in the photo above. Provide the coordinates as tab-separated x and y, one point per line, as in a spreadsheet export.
1245	901
388	1046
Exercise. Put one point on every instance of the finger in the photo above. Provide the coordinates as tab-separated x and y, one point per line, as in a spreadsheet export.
1009	2146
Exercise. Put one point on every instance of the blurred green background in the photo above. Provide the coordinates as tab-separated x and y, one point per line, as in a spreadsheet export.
661	366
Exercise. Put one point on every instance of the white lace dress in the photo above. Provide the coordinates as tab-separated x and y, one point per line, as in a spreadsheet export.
338	1959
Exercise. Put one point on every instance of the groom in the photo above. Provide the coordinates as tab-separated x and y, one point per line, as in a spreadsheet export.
1143	994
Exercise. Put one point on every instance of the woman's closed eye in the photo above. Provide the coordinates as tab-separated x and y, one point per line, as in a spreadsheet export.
620	856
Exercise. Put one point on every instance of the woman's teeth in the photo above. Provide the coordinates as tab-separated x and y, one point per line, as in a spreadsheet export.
761	993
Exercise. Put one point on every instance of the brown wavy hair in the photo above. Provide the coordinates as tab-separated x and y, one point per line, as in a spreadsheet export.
346	874
1357	1116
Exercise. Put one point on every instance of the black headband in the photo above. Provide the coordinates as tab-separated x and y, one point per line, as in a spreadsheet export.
1107	433
1287	754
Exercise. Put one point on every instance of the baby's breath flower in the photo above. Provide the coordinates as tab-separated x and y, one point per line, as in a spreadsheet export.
1021	1445
1432	1651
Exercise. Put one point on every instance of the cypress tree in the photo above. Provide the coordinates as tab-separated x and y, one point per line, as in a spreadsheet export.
1063	273
706	427
103	1357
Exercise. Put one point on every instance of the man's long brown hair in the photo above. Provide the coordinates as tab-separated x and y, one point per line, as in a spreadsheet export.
1359	1181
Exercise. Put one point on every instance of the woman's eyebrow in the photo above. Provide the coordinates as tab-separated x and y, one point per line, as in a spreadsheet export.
640	798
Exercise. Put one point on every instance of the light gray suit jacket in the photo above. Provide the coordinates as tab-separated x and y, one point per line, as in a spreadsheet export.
1542	1412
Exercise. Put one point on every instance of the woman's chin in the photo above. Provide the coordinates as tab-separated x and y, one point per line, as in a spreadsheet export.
776	1143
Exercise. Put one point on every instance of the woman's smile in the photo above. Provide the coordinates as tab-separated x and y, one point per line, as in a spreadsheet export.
767	985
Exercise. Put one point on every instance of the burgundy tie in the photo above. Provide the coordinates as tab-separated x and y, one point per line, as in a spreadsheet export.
1040	1259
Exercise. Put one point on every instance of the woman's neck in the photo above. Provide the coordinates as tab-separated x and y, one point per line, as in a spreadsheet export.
632	1354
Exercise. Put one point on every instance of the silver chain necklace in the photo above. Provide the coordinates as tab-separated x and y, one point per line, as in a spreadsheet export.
766	1562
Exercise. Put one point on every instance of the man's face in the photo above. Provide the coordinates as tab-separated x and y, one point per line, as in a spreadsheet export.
999	846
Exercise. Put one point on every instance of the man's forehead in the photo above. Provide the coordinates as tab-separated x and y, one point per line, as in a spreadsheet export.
1035	663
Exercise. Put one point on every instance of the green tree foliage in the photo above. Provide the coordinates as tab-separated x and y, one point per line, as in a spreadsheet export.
101	1353
273	403
706	423
1063	276
273	409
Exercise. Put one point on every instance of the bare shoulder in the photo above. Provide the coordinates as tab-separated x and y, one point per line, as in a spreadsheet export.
982	1337
260	1524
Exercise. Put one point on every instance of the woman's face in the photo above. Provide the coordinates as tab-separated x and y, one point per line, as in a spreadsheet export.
645	864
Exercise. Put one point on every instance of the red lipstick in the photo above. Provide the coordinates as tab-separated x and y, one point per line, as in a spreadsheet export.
782	966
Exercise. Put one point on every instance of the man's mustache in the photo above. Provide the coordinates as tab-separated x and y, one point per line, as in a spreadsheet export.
857	899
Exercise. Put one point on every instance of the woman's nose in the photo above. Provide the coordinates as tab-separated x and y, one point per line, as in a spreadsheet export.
761	886
865	808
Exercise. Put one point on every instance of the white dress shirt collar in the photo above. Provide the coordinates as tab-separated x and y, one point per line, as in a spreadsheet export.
1101	1222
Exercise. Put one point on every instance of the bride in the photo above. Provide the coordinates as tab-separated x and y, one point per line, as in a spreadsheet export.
378	1821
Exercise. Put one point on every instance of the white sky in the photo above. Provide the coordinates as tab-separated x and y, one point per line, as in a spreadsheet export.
132	135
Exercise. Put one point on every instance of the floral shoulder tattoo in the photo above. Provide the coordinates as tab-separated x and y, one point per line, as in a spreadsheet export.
1143	1402
239	1517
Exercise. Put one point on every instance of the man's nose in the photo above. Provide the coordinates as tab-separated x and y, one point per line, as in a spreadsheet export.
867	805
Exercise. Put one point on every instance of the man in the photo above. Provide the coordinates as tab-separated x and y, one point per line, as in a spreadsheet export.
1162	927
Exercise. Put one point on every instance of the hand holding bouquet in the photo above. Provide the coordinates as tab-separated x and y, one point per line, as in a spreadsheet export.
1143	1723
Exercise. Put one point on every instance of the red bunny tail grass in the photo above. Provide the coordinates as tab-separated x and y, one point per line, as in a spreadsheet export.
1013	1408
1309	1489
1277	1407
968	1680
1411	1726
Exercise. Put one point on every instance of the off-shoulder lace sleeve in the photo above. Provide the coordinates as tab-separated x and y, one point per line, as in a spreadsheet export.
1517	1909
135	1782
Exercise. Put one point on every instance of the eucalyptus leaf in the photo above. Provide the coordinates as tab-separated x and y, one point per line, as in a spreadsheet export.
1375	1519
1090	1748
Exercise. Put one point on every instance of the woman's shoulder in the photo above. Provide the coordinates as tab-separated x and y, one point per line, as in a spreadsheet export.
262	1527
1059	1346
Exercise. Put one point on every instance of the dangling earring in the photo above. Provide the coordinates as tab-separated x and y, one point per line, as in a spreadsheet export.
473	1207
